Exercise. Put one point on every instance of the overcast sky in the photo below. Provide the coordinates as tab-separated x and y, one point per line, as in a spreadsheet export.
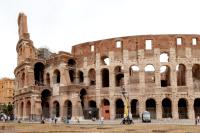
59	24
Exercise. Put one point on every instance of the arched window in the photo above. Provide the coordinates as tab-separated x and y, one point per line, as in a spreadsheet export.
81	76
92	76
149	74
164	57
134	74
56	76
165	76
119	75
105	77
181	75
38	72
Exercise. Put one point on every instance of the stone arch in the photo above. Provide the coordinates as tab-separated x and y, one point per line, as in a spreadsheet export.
56	108
72	75
135	108
119	108
45	100
92	110
28	109
149	74
151	107
105	77
68	109
197	107
71	63
105	60
23	79
181	75
183	108
92	76
166	108
83	94
165	76
134	74
164	57
81	76
38	73
21	109
196	76
48	79
119	75
56	76
105	104
92	104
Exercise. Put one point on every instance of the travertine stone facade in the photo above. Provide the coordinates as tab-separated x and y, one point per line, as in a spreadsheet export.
159	73
6	90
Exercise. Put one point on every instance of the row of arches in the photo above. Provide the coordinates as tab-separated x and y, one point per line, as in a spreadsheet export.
150	105
165	77
39	75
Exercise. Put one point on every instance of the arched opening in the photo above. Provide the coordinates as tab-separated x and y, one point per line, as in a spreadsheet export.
45	97
92	104
23	79
164	57
166	108
81	77
56	75
151	107
48	79
56	108
165	76
149	74
105	109
28	109
68	109
182	109
71	75
83	94
92	110
119	75
196	76
181	71
134	74
119	109
135	108
197	107
105	60
71	63
105	77
38	73
92	76
21	110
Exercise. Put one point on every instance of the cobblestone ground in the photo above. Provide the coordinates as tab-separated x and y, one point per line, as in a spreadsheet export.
164	126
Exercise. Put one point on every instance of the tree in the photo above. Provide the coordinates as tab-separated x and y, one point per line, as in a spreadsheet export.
7	109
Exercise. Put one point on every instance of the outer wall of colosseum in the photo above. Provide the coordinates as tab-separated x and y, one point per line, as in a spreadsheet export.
159	73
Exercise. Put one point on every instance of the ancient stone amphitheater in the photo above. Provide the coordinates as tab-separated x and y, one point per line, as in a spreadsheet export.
158	73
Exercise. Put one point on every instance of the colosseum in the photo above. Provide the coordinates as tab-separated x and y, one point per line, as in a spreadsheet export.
157	73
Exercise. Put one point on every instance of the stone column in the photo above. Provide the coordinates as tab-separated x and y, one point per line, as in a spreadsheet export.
142	106
63	81
190	109
112	108
175	114
77	111
24	109
142	79
189	80
32	107
158	109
